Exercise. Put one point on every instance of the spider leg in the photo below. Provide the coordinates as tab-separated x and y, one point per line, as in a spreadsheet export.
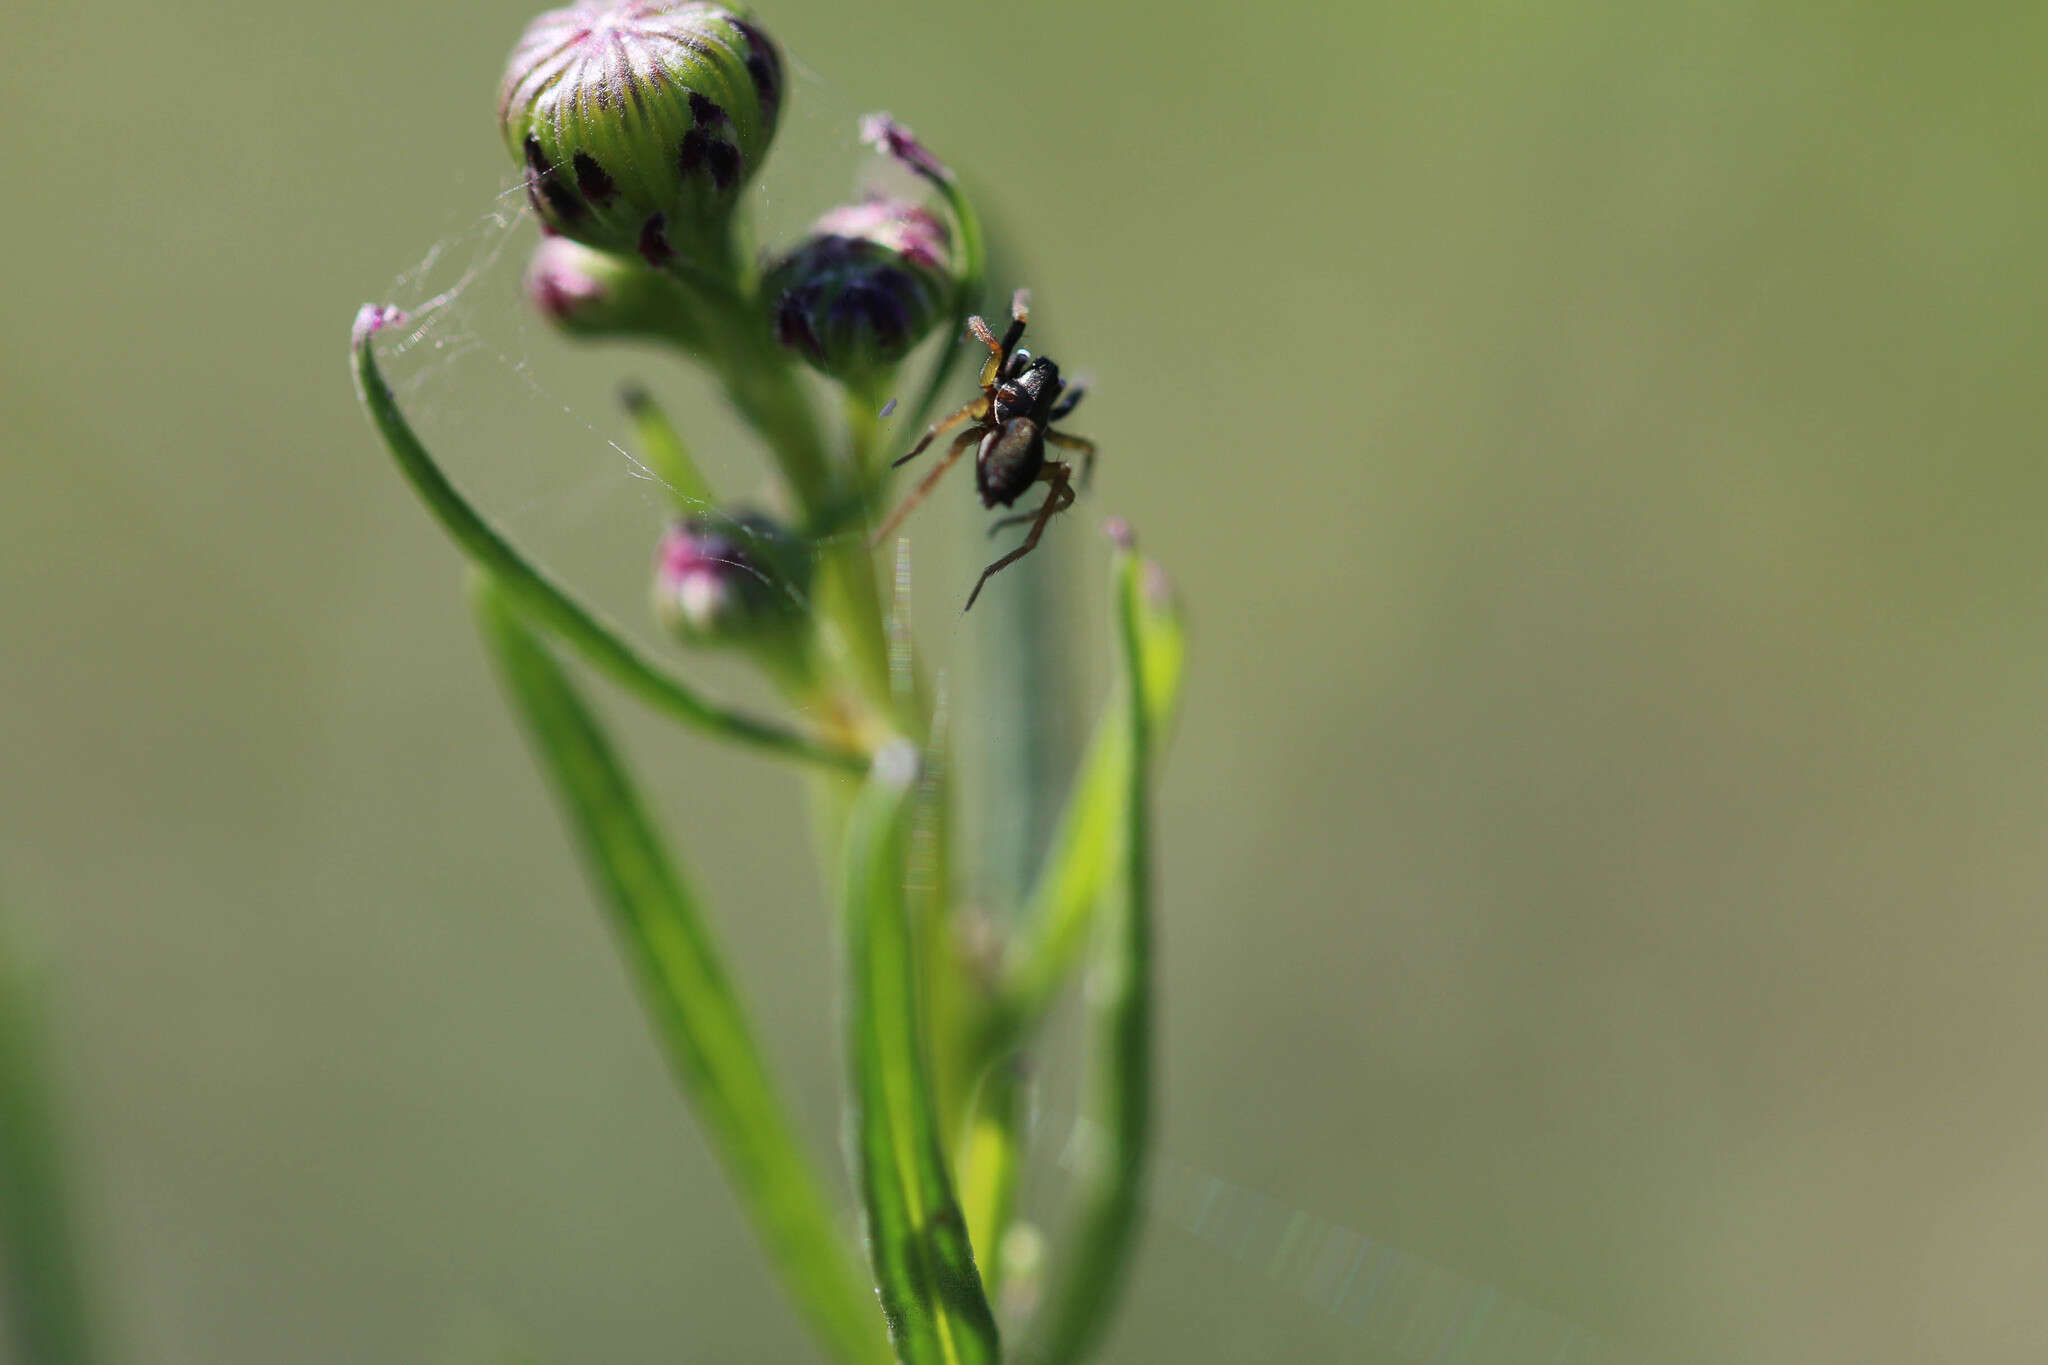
925	485
1069	400
974	410
998	352
1061	496
1020	518
1080	445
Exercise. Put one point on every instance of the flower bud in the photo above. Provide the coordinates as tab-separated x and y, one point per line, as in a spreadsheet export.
868	284
590	293
638	122
721	579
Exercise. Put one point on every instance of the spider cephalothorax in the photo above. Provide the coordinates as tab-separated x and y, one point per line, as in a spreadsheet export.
1021	397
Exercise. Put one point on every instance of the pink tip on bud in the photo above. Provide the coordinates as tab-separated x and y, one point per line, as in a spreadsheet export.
1119	532
373	318
891	138
559	283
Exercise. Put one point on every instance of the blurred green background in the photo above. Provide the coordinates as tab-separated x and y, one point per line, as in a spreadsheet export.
1599	444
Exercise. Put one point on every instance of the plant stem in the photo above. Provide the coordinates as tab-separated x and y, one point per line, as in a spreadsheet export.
917	1240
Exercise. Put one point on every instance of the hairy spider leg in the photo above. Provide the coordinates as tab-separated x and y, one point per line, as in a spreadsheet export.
925	485
974	410
1080	444
1070	398
1057	499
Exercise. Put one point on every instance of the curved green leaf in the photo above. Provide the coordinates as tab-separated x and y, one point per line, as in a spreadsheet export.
1095	1266
1061	911
546	601
696	1011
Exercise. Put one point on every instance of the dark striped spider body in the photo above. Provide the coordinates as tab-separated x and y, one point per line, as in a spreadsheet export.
1022	395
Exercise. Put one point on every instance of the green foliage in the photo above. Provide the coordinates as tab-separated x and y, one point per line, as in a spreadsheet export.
684	982
923	1023
917	1240
1074	1320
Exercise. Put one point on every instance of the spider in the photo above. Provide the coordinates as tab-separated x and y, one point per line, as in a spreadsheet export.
1021	397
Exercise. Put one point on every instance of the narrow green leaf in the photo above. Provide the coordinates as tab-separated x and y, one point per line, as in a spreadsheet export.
1078	1310
544	600
1061	911
696	1011
917	1240
991	1164
666	453
45	1310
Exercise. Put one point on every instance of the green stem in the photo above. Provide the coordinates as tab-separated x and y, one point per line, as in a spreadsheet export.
696	1010
545	600
763	383
923	1263
769	393
852	593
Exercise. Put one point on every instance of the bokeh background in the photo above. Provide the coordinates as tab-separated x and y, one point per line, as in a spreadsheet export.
1600	446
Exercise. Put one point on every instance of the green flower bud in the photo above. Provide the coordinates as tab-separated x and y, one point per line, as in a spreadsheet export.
868	284
590	293
722	580
639	122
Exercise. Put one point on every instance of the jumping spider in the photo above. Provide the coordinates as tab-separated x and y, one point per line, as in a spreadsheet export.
1021	397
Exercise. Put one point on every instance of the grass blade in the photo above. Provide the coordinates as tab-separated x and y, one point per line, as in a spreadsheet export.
1078	1310
696	1011
544	600
917	1241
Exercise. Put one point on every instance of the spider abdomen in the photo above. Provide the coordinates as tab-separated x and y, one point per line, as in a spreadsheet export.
1009	461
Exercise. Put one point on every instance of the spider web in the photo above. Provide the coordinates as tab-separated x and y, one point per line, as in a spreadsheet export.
529	423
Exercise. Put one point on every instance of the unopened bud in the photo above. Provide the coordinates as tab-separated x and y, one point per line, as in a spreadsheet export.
869	282
730	580
638	122
591	293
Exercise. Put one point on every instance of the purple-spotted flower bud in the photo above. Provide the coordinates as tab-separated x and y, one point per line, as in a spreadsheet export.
722	579
869	282
591	293
638	122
